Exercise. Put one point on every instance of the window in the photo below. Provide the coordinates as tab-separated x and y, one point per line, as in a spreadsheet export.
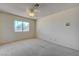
21	26
25	26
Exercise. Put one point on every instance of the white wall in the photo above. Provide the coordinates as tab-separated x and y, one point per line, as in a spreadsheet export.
7	32
52	28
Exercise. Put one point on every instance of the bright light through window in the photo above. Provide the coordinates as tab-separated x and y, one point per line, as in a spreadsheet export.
25	26
21	26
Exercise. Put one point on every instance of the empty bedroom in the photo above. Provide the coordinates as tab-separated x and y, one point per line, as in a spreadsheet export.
39	29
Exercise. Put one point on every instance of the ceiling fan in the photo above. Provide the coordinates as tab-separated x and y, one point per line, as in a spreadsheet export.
33	10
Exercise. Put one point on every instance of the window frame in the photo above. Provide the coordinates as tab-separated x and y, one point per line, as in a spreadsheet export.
21	26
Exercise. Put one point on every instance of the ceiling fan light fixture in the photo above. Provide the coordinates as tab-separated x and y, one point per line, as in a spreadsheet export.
31	14
36	5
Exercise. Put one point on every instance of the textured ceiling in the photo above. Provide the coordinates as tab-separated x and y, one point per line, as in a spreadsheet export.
44	9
